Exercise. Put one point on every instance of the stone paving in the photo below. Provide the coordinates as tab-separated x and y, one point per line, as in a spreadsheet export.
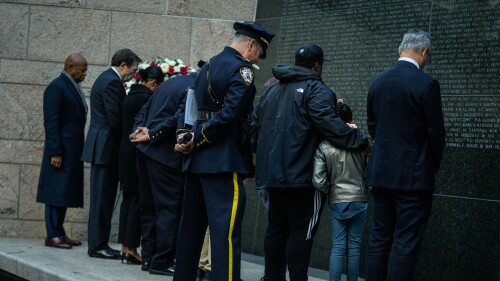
31	260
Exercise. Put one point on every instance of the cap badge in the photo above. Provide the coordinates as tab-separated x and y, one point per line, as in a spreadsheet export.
300	90
301	51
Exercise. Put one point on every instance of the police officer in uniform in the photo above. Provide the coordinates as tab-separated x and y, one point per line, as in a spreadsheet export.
215	162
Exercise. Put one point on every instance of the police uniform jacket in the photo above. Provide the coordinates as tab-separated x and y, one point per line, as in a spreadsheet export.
217	138
159	116
290	120
64	118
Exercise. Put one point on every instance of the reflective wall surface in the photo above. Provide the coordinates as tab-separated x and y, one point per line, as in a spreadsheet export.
361	37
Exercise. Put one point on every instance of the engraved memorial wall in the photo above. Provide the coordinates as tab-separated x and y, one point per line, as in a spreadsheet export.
361	37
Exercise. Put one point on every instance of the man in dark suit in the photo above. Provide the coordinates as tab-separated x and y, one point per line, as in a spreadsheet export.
161	183
61	177
102	146
405	119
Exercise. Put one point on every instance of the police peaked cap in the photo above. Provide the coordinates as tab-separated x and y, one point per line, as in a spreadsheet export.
256	32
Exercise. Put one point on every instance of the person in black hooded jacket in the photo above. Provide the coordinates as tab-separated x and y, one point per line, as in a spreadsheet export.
290	120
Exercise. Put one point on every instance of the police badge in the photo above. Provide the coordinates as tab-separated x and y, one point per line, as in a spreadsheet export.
247	75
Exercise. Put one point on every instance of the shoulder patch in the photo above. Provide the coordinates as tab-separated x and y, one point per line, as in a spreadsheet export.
247	74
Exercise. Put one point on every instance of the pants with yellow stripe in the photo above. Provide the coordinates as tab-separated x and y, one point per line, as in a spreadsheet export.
218	201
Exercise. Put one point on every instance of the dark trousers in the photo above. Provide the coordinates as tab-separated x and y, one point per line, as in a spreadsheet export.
161	191
293	220
403	215
54	220
129	231
103	188
217	200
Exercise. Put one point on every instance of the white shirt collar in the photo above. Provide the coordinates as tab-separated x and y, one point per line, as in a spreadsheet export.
117	73
410	60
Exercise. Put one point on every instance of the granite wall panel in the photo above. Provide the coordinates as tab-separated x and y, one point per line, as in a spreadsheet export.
21	111
156	36
81	215
22	228
65	3
20	151
14	20
55	32
42	73
216	9
77	230
29	72
9	190
213	35
141	6
29	209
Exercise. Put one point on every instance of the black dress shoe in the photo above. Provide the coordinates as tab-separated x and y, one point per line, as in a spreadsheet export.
71	241
57	242
113	251
164	271
104	254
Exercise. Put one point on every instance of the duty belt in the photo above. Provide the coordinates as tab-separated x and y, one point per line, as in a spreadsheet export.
205	115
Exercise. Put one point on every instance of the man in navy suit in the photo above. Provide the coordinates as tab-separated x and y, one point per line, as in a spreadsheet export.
61	177
102	146
405	119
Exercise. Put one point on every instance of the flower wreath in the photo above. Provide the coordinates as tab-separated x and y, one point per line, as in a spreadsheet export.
169	68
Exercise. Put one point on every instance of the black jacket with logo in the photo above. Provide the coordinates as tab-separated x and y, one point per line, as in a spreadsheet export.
290	120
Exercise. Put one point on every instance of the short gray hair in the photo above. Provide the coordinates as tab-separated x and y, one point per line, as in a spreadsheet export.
240	38
416	40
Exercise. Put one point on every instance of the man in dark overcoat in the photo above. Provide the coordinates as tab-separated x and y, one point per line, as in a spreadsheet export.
61	177
102	146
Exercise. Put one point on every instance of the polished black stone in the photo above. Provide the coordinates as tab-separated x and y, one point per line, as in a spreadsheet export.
361	37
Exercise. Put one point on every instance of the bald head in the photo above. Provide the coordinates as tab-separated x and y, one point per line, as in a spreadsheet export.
76	65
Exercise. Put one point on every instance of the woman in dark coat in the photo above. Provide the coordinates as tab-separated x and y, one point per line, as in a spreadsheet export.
129	233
